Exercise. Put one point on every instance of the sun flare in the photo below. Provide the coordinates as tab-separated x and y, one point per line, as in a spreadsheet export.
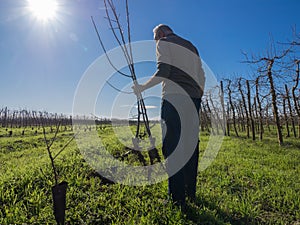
43	10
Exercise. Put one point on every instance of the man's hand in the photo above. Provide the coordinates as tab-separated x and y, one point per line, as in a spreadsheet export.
137	89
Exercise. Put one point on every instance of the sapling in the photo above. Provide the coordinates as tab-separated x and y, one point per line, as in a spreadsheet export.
123	38
59	189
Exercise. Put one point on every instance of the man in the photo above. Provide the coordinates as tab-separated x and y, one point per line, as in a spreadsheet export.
180	71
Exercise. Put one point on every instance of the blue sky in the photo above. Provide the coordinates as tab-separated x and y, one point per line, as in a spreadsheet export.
42	63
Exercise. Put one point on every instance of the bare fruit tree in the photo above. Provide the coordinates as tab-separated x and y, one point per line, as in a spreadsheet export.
123	38
265	67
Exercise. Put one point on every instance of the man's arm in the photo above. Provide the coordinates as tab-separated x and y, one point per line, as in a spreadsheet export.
149	84
163	70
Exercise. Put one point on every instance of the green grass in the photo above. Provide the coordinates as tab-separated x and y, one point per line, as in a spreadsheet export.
248	183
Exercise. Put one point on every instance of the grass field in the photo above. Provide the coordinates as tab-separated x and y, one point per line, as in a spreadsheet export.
248	183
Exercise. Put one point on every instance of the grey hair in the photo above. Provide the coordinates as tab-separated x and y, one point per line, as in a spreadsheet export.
164	28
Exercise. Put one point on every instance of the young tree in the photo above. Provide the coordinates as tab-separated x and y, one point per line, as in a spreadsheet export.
123	38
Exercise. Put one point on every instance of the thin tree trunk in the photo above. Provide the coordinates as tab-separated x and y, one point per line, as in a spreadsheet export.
290	110
241	117
202	119
206	118
255	115
232	109
227	121
250	110
211	119
274	102
216	113
223	108
261	127
267	116
245	107
286	118
294	95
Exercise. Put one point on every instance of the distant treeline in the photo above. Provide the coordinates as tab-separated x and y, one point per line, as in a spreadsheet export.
30	119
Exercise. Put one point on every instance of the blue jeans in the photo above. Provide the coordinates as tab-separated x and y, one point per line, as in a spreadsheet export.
183	182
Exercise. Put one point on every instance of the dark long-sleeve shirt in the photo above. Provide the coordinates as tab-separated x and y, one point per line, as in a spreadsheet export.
179	64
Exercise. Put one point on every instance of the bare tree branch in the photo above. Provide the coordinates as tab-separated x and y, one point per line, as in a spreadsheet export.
104	49
117	89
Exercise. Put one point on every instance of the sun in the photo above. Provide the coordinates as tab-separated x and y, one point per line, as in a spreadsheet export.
43	10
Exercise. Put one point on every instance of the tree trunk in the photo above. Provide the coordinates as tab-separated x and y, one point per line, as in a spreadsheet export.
256	115
267	116
261	125
245	108
206	118
227	121
223	108
294	95
240	109
217	114
250	110
274	101
291	111
211	117
286	118
232	109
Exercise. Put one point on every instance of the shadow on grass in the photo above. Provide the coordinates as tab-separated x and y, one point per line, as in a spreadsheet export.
204	212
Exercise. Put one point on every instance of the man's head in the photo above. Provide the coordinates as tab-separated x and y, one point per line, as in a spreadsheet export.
161	31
